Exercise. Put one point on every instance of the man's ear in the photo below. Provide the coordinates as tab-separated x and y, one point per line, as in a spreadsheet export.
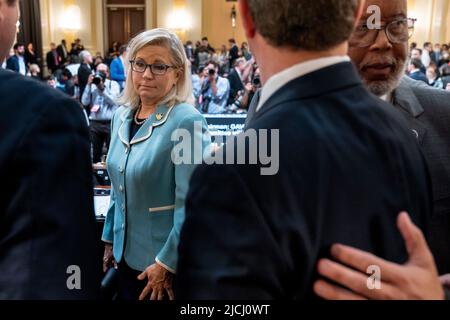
247	20
359	11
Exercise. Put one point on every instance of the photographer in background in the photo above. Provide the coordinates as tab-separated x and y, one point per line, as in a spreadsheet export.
100	96
238	77
245	97
215	91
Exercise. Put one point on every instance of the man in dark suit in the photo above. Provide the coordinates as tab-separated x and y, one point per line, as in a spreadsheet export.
84	72
53	59
47	232
234	52
207	45
347	165
427	112
17	62
436	55
237	77
415	72
63	53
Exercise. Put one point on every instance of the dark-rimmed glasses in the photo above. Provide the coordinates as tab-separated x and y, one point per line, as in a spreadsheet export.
159	69
397	31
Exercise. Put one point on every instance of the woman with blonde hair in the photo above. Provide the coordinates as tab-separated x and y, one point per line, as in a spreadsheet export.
146	214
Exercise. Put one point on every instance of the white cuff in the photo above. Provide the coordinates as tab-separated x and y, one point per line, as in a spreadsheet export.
165	266
106	241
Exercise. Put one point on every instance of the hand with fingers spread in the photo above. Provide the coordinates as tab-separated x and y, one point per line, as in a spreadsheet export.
417	279
159	283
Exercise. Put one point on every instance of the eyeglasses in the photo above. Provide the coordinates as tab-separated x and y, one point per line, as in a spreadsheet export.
159	69
398	31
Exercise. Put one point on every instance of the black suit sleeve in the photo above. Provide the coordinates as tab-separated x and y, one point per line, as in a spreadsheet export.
227	248
50	61
56	196
11	64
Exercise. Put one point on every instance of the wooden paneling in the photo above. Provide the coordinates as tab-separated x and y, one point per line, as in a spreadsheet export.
116	25
126	2
124	23
217	23
137	21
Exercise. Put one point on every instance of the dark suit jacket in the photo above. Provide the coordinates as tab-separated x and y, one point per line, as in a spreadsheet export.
419	76
435	57
236	85
51	63
13	64
83	74
446	81
31	58
234	54
252	108
47	221
427	111
347	166
63	54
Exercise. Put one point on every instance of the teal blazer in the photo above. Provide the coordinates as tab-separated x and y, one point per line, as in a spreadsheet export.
148	189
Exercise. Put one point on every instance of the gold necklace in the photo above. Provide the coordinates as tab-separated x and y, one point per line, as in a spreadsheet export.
136	121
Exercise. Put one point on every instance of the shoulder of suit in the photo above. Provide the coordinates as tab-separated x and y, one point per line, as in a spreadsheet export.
185	115
121	113
32	96
184	110
428	96
27	88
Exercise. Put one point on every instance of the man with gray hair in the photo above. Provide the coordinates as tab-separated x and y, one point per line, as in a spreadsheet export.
84	71
347	166
380	56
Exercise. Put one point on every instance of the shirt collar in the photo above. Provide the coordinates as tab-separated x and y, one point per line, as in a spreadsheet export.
387	97
238	72
280	79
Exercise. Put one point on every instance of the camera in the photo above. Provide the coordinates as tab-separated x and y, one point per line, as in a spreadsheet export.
211	72
99	77
256	81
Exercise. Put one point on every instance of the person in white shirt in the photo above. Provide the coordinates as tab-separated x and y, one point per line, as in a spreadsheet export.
426	54
100	95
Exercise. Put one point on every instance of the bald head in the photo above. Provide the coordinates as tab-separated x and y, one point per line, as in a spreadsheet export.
103	68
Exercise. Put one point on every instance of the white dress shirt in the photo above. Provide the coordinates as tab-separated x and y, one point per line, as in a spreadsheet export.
22	66
277	81
426	59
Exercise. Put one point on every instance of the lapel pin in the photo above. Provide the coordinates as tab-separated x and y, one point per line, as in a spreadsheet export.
416	133
159	116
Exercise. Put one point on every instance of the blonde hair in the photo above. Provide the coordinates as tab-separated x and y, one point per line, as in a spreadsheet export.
34	68
182	92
